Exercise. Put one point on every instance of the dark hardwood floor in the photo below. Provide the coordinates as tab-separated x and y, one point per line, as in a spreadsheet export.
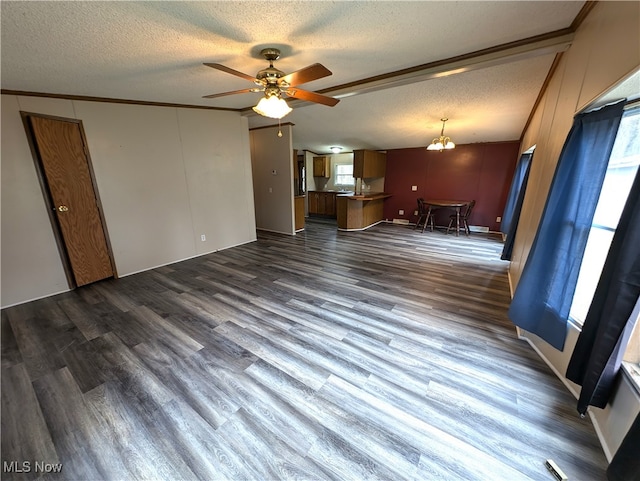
384	354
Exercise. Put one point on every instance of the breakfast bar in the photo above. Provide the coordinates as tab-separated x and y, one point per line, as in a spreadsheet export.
359	212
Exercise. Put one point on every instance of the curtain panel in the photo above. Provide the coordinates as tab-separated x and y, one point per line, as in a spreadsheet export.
543	297
517	184
596	359
513	207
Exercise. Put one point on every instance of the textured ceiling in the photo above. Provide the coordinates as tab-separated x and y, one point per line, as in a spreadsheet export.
153	51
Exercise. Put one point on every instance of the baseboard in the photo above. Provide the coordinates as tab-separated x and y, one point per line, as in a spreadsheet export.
133	273
274	231
35	299
365	228
560	376
510	283
594	421
603	443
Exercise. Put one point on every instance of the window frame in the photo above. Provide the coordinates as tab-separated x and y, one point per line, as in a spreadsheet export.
631	358
597	227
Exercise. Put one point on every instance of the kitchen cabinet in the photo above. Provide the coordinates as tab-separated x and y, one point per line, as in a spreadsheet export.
314	203
322	203
368	164
330	204
321	166
359	212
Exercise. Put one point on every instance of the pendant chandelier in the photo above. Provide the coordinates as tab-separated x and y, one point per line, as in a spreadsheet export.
442	142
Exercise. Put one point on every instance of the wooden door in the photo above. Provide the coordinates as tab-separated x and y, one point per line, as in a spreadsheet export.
314	205
318	166
321	167
322	203
330	204
369	164
65	166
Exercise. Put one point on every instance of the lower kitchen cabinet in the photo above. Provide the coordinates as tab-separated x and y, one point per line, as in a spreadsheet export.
322	203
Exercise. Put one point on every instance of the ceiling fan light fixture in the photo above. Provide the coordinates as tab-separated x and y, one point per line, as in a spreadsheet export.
273	106
441	143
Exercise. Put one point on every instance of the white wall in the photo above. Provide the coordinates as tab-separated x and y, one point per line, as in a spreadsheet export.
272	165
30	261
322	183
605	51
164	175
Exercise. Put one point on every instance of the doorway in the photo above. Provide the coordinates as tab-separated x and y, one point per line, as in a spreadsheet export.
64	168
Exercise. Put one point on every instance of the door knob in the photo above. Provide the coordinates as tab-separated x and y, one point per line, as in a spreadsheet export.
63	208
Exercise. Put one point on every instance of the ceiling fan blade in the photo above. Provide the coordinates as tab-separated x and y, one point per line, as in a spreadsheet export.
218	66
307	74
312	97
243	91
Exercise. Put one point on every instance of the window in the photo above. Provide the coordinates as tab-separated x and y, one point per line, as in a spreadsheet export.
344	174
621	171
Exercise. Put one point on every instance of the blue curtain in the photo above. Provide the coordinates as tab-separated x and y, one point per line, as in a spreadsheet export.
511	215
596	358
545	291
518	182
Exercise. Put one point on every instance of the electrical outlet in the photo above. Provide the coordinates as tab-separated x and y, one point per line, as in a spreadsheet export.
414	188
415	212
203	237
270	190
498	219
400	212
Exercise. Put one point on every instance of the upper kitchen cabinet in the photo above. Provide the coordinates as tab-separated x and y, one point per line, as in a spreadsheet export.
368	164
322	166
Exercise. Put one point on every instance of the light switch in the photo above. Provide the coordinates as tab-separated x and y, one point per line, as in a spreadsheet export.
414	188
401	212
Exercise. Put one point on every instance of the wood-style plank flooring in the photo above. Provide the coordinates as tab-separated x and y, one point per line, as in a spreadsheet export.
385	354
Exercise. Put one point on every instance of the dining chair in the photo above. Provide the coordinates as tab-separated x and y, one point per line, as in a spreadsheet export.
464	218
423	213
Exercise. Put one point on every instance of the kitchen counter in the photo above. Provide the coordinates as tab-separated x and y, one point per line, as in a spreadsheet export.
368	196
359	212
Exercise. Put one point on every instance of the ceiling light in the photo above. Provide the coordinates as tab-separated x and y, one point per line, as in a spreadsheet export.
336	150
272	106
442	142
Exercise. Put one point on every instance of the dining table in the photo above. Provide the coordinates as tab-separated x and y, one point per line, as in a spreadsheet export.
456	205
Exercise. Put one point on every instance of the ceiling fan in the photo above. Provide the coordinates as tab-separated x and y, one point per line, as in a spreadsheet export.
274	83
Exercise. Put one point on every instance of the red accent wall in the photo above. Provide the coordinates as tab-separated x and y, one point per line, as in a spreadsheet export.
473	171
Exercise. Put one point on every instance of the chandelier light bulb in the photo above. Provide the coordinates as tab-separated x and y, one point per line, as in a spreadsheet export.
441	143
273	106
